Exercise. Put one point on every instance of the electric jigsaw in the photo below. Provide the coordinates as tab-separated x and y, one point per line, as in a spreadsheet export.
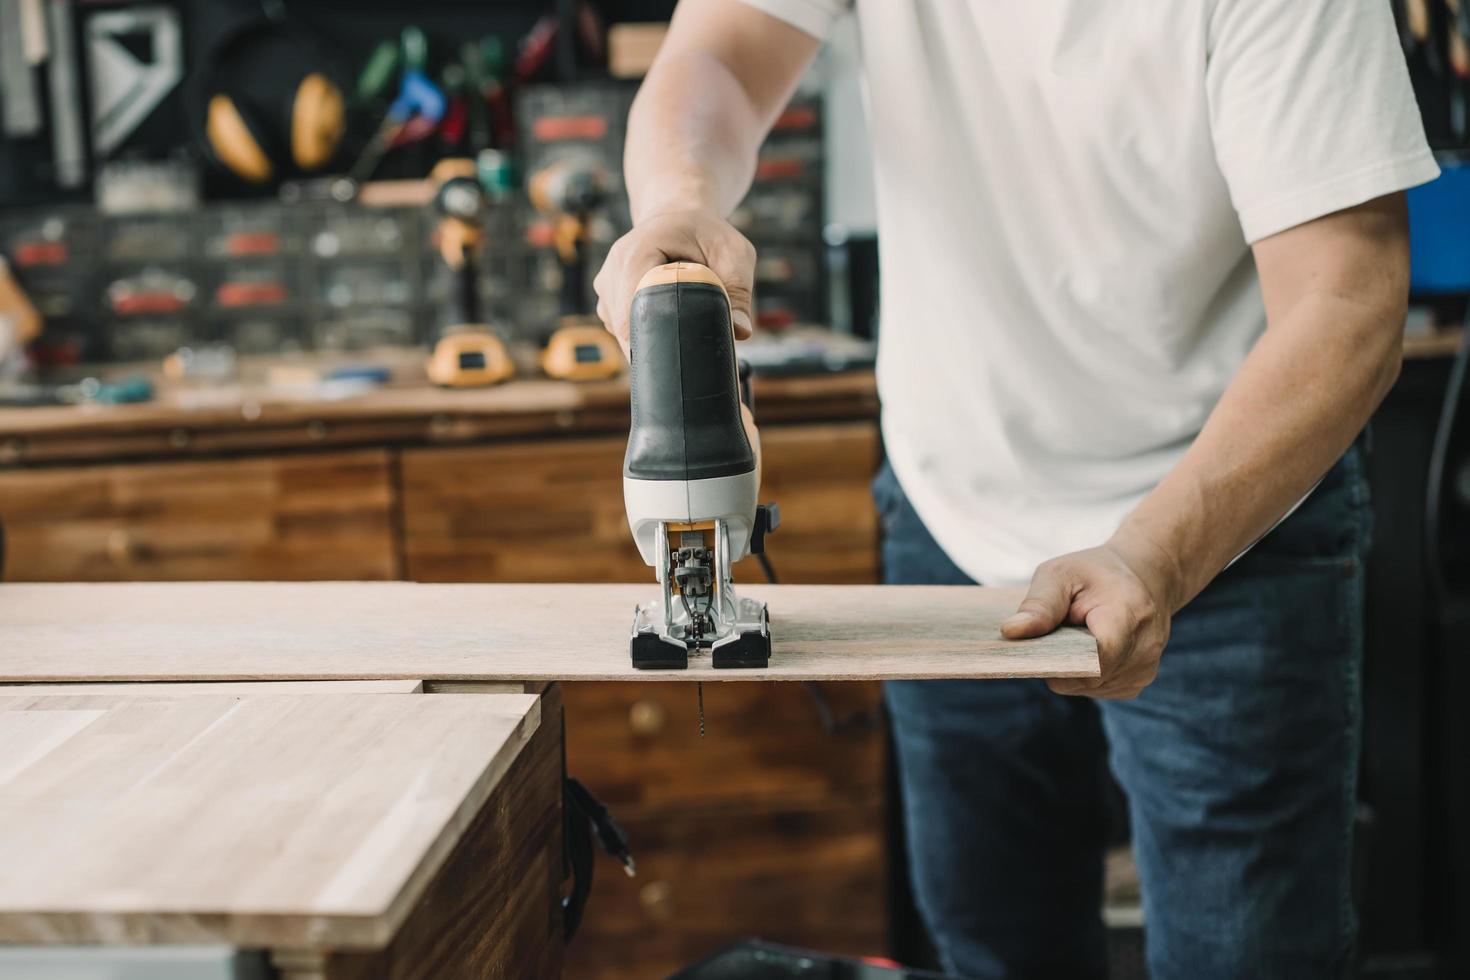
691	475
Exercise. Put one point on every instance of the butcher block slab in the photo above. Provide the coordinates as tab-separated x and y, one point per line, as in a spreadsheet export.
270	820
213	631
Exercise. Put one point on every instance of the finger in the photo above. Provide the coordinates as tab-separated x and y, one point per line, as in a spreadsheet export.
1119	689
606	318
1075	686
1045	606
732	258
634	268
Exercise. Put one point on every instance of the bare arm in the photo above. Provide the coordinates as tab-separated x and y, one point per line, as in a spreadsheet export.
721	77
1335	291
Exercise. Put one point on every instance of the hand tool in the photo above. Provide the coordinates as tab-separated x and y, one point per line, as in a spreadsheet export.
20	323
691	475
33	32
582	352
468	354
567	192
21	100
413	115
68	144
126	88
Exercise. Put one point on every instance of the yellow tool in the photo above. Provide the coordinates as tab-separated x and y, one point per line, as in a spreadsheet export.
568	192
582	352
19	322
468	355
470	359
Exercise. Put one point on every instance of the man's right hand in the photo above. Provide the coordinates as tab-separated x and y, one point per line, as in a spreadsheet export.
697	235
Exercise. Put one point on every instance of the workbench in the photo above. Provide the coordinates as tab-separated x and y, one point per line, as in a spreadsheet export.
512	484
356	830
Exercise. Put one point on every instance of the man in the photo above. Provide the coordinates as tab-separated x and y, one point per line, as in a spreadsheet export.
1144	280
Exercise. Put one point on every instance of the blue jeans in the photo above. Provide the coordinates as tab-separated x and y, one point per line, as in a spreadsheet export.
1239	763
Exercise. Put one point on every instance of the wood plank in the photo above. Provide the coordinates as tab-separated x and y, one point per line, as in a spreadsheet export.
232	688
327	515
293	821
369	630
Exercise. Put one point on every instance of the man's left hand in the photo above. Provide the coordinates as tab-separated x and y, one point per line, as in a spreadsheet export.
1123	592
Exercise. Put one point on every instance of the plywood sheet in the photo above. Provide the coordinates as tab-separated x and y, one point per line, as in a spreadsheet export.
232	688
271	820
365	630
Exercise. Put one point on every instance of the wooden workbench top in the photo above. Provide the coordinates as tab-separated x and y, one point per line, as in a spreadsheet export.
388	630
183	421
253	820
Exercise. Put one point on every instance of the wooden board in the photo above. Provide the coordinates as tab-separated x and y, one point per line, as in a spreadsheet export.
368	630
231	688
278	820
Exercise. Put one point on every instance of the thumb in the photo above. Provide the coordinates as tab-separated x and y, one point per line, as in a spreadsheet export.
1044	608
740	304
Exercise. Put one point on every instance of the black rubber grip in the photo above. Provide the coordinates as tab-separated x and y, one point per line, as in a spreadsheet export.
686	395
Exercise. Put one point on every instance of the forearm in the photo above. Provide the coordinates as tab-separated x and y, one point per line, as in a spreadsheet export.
1303	394
723	74
693	136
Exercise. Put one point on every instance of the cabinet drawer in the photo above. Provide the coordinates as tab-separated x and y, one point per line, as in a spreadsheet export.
289	517
638	747
811	876
553	511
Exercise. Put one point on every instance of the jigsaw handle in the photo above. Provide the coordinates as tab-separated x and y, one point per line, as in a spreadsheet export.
687	422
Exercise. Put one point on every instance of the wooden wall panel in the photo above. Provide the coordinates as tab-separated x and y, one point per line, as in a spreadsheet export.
638	745
553	511
810	876
771	825
323	516
518	512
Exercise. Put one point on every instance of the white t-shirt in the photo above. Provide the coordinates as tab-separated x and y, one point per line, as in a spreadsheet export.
1066	190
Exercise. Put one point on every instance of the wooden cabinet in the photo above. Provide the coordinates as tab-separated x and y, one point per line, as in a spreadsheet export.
344	835
549	511
324	516
552	511
792	743
769	825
